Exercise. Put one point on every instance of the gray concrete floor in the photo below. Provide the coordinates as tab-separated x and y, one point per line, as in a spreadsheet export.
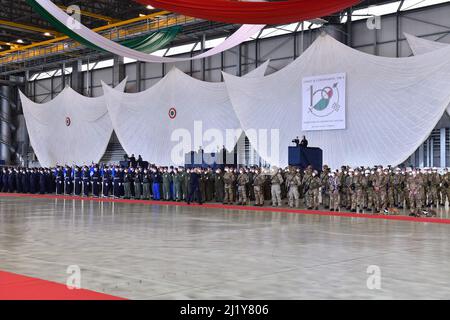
164	252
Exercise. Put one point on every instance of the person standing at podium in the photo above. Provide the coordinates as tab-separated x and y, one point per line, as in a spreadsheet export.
304	142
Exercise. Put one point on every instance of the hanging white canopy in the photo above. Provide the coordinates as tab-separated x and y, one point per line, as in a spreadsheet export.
175	116
392	104
421	46
70	129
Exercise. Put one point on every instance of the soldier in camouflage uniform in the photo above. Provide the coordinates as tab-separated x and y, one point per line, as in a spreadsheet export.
400	192
250	190
415	182
434	183
426	183
357	192
313	191
325	192
379	185
390	187
348	188
307	175
242	181
259	180
367	183
229	180
445	181
276	181
293	181
333	187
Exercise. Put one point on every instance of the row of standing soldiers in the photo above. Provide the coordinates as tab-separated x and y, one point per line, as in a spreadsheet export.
357	190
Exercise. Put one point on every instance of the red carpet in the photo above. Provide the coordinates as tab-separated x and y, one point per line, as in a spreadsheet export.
232	207
17	287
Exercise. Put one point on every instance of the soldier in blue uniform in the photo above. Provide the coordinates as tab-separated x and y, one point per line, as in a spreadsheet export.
117	183
77	181
59	181
106	181
96	184
26	180
11	181
3	180
19	180
33	181
194	187
86	181
156	182
42	182
68	180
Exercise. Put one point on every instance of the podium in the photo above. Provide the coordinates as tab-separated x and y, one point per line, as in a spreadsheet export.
303	157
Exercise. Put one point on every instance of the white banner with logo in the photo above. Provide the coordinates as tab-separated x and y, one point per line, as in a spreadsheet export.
324	105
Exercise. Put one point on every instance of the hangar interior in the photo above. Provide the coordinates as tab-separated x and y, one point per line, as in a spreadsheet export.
42	69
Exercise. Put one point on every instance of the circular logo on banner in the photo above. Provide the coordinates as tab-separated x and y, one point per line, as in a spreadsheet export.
68	121
172	113
325	101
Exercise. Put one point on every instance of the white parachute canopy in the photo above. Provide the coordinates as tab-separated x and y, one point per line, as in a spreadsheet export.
177	115
421	46
70	129
392	104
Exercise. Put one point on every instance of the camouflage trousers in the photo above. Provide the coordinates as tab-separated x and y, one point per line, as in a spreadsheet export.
357	199
259	195
406	197
433	198
399	196
415	200
334	200
242	194
294	197
368	198
312	198
229	194
391	198
276	195
445	195
380	198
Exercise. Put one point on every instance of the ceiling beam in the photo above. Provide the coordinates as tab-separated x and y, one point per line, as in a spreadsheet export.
27	27
94	15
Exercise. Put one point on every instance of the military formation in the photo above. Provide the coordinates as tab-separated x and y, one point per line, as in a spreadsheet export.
376	190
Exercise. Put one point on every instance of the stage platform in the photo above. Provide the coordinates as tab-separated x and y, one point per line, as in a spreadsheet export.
149	250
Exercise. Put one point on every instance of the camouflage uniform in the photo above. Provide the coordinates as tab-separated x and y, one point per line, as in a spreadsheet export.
415	187
367	183
229	179
259	180
445	187
276	180
379	184
242	182
313	192
324	188
333	187
434	182
293	181
357	192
